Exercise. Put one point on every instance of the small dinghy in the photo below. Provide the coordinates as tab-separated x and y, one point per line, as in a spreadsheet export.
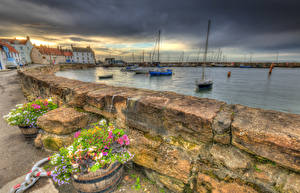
107	76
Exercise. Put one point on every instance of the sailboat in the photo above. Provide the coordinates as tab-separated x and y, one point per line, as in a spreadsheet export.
205	83
159	71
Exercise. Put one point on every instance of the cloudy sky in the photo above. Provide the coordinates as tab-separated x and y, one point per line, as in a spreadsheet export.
242	29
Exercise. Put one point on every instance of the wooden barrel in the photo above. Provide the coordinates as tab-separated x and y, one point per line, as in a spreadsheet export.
29	132
101	181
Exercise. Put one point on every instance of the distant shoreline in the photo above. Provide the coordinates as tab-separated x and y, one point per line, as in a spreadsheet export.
199	64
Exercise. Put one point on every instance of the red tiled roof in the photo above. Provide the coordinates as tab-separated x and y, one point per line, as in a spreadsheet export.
10	48
49	51
16	41
68	53
54	51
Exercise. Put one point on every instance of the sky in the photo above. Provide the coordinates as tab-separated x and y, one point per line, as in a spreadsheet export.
243	30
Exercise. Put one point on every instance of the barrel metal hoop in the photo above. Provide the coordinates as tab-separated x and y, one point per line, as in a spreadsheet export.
108	189
99	179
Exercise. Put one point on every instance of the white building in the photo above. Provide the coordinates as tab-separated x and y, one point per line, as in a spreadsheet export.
83	55
3	59
23	46
9	55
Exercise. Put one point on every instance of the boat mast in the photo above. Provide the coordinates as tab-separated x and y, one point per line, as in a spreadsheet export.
205	52
158	46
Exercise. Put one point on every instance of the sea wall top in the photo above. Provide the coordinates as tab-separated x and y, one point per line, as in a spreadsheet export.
263	133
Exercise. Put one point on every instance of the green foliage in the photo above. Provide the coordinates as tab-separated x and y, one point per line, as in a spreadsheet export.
265	161
93	148
137	184
162	190
28	113
257	169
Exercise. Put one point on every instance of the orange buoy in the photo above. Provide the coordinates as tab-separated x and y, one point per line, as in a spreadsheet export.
228	74
271	68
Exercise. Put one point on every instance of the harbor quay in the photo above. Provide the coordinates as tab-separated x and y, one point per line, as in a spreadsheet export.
183	143
209	64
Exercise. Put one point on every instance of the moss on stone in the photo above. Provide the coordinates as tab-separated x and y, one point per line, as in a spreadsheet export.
154	138
179	141
51	144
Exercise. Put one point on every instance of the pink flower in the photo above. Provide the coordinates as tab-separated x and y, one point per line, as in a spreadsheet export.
120	141
126	139
105	153
77	133
110	135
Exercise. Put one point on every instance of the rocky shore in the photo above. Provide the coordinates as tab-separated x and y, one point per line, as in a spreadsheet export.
185	143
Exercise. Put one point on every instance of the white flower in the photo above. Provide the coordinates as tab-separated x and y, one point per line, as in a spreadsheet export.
54	159
19	106
102	122
70	148
99	156
50	99
75	165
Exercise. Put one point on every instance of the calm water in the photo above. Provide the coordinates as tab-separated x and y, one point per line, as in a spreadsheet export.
251	87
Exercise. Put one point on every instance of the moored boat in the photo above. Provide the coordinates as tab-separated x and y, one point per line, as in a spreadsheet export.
130	68
205	84
161	72
141	70
107	76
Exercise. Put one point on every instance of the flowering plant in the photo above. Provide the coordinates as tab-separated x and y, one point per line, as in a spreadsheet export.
94	148
28	113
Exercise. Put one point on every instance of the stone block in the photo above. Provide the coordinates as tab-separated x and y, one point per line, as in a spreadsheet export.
269	134
152	152
230	157
221	125
63	121
206	184
54	142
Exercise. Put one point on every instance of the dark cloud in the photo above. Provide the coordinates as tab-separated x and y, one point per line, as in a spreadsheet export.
247	24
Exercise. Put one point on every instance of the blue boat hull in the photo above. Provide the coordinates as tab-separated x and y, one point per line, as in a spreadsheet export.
153	73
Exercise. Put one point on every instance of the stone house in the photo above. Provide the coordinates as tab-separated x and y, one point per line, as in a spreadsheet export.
83	55
23	46
47	55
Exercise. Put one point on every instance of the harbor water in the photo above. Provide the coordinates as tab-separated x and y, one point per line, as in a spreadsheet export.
247	86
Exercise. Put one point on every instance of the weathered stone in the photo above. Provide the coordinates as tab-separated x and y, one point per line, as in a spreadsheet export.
151	152
221	125
63	121
230	156
38	141
191	117
292	184
270	134
206	183
172	184
55	142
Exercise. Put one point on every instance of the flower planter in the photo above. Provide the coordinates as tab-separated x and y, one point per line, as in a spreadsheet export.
29	132
103	180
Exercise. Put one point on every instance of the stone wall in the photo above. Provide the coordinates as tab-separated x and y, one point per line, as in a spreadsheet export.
184	143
